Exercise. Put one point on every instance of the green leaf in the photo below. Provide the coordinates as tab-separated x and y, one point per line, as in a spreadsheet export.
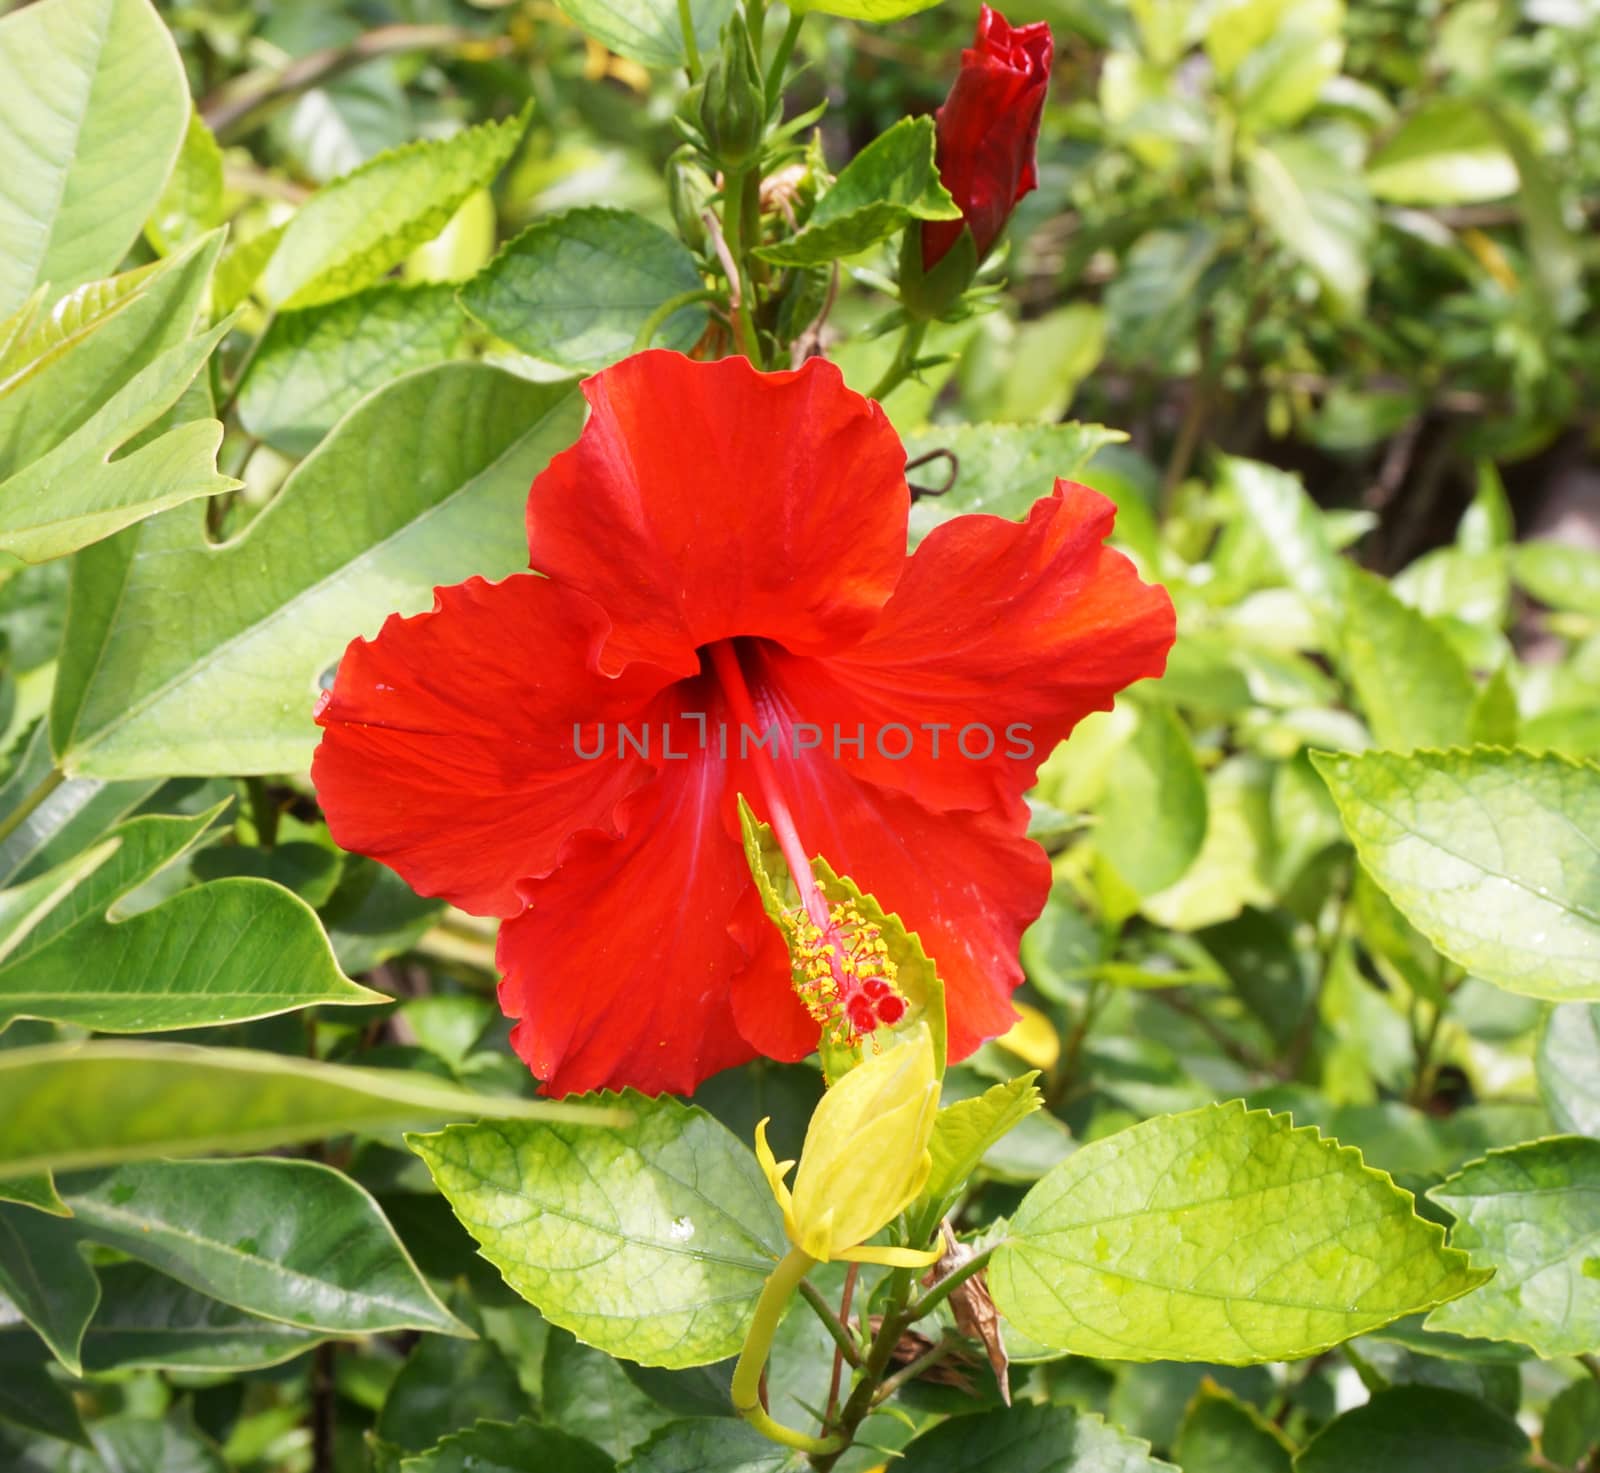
712	1445
576	289
313	366
1218	1235
1155	302
129	1443
648	30
916	978
1292	528
965	1131
1234	866
1280	80
218	953
1560	575
589	1395
349	234
148	1320
98	1103
1318	209
886	186
869	10
1528	1214
1222	1434
45	1277
191	203
1152	818
1412	1427
1447	153
294	1241
84	77
445	1385
1569	1067
181	656
1050	357
510	1447
1490	854
1571	1429
651	1241
37	1190
1410	682
1029	1438
1002	469
30	1398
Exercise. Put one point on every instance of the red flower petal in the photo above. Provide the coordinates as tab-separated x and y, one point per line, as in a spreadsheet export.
993	623
621	967
447	748
707	500
969	884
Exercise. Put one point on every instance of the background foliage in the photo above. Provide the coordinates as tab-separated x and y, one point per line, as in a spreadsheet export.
1327	275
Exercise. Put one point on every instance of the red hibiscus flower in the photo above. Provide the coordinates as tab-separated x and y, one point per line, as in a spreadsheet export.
721	557
988	131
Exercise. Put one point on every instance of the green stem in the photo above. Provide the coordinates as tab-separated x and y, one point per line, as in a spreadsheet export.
909	1373
755	12
836	1328
905	359
923	1307
780	61
733	235
20	814
862	1397
653	323
691	46
746	1389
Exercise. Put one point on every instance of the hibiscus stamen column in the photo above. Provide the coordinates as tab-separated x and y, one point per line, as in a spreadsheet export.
843	972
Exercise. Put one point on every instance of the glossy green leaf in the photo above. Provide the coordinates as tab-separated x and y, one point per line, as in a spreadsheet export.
712	1445
1233	869
1559	574
30	1398
98	1103
46	1278
191	203
510	1447
130	1443
651	1241
314	365
293	1241
149	1320
349	234
1152	819
1029	1438
1490	854
37	1190
868	10
576	289
217	953
967	1130
1292	528
1412	1427
1528	1214
1222	1434
1412	686
182	656
1447	153
1003	469
82	78
445	1385
1319	210
890	183
1219	1235
1569	1067
588	1394
648	31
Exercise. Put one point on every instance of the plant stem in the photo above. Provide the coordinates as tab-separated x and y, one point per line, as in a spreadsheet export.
654	322
780	60
839	1349
906	1374
832	1323
860	1403
20	814
691	44
923	1307
746	1389
905	359
741	293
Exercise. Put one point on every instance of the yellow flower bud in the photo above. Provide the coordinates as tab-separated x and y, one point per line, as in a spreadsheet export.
865	1157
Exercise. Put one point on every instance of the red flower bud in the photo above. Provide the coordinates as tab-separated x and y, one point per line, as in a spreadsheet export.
988	131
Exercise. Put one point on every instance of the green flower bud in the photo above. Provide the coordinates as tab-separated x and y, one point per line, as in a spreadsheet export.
689	194
865	1158
733	99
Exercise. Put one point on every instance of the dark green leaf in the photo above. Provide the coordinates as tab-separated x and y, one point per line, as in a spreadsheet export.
1414	1427
45	1277
510	1447
1029	1439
